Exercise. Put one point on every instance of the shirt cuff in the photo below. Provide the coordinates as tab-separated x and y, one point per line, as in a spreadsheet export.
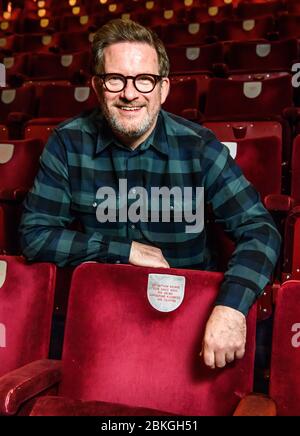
118	251
236	296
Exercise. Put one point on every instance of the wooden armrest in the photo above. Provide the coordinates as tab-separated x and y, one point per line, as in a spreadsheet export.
20	385
256	405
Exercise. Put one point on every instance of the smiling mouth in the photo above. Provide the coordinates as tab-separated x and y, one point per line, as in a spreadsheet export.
130	108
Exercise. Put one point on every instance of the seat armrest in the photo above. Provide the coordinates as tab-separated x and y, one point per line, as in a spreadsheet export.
279	203
256	405
20	385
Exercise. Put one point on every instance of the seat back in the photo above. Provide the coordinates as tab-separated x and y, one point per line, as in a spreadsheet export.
258	99
285	362
19	162
17	100
73	100
26	296
120	349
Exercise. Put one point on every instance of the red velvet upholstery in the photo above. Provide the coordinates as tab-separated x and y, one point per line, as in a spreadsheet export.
73	100
20	100
26	382
285	364
293	7
296	170
186	34
58	406
234	98
238	30
263	56
119	349
291	266
50	66
247	10
196	59
27	293
183	99
19	162
259	157
2	230
289	26
69	42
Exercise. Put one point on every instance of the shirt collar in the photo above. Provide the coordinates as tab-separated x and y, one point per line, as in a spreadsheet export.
105	137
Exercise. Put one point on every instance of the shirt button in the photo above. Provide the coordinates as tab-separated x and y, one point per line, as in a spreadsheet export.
117	261
133	226
94	204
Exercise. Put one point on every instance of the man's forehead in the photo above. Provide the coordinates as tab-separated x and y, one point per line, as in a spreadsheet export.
127	50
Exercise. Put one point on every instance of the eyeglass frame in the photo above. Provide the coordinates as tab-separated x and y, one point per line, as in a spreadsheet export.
157	78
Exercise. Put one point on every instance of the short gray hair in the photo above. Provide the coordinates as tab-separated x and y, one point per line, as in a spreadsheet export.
120	30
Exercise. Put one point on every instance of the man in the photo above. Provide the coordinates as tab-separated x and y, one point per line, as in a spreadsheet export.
132	140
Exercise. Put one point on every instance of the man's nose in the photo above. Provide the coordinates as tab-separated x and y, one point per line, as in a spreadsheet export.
129	92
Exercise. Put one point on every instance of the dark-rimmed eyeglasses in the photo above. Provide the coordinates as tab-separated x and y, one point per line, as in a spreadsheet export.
117	82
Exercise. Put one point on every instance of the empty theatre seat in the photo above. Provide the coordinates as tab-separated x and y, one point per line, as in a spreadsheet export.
285	364
70	42
243	30
150	349
195	59
263	56
183	99
260	98
257	157
16	106
50	66
289	26
72	99
15	64
186	35
248	10
293	7
74	23
19	161
35	42
27	293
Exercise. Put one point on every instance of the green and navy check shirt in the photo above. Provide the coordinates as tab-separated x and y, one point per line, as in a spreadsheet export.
82	155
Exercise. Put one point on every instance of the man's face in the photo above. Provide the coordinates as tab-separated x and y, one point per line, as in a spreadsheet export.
131	114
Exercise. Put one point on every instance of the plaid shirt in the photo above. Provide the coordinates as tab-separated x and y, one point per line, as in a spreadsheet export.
82	155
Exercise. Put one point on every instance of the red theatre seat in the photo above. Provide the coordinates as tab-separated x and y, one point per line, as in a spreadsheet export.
263	56
19	161
260	98
27	293
244	30
139	356
20	101
296	170
50	66
186	35
248	10
73	100
285	363
195	59
289	26
291	267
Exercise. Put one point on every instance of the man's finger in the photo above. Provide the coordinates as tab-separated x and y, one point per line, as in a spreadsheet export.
239	354
209	358
220	359
229	357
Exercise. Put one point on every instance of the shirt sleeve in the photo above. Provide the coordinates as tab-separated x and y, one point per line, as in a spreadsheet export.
43	229
238	208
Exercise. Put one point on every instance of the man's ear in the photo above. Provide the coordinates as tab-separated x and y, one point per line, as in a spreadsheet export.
97	87
165	89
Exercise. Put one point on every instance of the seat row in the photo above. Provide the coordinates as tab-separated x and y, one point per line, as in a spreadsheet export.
111	308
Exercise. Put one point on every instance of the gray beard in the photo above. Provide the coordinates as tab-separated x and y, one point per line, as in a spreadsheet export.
135	131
